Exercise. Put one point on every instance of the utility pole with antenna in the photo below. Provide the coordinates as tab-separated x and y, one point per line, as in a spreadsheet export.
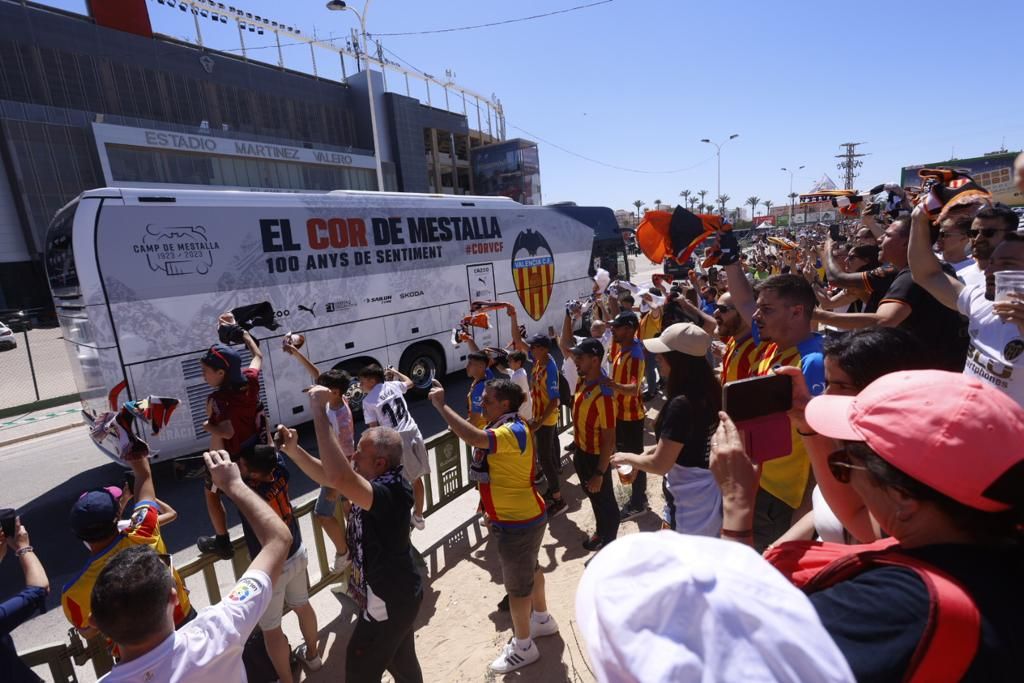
850	163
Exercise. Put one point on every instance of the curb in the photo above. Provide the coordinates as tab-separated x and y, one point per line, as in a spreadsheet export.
36	435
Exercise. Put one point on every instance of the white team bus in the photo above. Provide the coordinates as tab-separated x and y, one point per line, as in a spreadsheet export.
139	277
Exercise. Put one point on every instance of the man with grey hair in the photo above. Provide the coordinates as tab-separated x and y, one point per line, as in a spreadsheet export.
385	581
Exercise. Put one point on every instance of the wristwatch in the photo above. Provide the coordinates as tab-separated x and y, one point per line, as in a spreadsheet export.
600	473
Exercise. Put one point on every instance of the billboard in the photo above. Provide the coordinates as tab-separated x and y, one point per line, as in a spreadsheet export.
993	171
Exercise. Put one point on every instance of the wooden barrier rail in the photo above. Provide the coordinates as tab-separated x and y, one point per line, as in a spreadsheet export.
449	478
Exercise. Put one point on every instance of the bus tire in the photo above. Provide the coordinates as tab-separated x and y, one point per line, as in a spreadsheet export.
355	395
417	363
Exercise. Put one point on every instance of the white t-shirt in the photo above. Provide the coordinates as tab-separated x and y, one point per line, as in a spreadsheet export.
522	380
385	405
971	274
571	374
996	353
209	648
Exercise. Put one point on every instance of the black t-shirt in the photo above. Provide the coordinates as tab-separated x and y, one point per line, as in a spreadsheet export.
679	421
877	282
877	618
388	563
942	330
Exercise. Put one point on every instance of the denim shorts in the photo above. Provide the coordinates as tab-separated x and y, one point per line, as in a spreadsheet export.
324	505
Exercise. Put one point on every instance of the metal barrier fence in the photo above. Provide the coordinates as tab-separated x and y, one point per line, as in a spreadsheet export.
36	369
448	478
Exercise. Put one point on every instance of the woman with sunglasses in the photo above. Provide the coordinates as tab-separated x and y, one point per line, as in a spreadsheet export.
683	431
935	461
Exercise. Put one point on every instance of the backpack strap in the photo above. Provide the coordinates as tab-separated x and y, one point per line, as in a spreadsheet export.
953	630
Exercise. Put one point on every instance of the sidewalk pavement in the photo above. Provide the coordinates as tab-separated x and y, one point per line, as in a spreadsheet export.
30	425
459	629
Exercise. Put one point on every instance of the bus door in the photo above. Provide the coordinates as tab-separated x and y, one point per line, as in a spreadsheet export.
480	281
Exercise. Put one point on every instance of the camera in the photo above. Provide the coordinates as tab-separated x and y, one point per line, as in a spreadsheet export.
7	517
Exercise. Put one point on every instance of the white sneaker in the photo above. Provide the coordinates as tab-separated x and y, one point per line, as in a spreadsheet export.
341	563
418	521
512	658
540	629
314	664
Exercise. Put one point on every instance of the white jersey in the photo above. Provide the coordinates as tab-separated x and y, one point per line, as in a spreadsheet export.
209	648
385	405
971	274
522	379
996	353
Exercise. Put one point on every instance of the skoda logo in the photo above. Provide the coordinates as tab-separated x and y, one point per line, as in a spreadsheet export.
206	62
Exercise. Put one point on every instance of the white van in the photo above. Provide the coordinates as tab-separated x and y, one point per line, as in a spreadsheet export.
139	277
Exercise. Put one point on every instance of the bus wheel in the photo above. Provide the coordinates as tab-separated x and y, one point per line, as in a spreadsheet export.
354	395
419	363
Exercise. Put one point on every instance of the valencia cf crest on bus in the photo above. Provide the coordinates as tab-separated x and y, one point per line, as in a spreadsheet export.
533	272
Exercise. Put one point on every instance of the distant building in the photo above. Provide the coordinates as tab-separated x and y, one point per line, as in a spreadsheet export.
993	171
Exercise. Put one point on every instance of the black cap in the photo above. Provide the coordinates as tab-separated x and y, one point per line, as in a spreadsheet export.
590	347
626	318
539	340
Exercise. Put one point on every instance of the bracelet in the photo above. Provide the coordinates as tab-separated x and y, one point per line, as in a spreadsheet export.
24	551
806	433
731	533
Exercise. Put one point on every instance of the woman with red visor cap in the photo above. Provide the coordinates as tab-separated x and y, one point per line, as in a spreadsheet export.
934	462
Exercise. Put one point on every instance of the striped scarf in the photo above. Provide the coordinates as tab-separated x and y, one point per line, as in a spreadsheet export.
357	584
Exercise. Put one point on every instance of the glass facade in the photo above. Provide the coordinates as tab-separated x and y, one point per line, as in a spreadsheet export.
147	165
508	169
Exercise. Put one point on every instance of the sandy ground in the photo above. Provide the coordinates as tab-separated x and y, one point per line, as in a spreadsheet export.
460	628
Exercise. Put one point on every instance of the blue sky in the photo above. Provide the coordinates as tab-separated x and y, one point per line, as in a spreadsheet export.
637	83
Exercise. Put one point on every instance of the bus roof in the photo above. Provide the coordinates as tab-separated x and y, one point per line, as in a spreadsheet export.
156	194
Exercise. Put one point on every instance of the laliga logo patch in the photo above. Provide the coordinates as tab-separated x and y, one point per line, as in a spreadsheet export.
1013	350
244	589
533	272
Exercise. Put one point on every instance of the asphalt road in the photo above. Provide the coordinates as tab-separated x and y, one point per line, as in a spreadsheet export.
43	477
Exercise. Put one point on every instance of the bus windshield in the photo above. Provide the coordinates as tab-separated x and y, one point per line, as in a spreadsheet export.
609	250
60	255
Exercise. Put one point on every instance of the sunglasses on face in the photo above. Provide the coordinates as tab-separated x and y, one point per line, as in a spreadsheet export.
841	467
986	232
947	235
723	308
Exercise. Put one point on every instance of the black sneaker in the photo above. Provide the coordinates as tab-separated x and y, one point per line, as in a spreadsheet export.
556	507
570	447
629	512
216	546
593	544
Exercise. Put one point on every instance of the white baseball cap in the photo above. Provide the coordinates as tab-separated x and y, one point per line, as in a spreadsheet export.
665	606
683	337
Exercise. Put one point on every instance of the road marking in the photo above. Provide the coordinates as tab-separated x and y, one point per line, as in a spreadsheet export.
32	419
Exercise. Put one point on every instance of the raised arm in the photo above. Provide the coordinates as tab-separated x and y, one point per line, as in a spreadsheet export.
167	513
337	468
295	353
924	265
310	466
270	530
477	438
517	337
565	339
144	488
835	273
257	356
743	297
889	314
393	375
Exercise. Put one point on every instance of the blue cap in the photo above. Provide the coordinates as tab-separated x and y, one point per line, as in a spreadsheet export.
222	357
94	515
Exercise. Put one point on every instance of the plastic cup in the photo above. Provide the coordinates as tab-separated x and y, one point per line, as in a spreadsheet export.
1009	282
625	473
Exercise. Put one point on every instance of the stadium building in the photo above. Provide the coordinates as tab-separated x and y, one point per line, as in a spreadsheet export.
102	99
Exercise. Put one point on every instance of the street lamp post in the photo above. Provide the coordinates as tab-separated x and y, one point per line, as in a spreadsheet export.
338	6
790	198
718	153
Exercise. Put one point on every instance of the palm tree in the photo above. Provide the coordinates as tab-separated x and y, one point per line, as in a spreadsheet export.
752	202
692	201
638	203
792	205
657	205
702	194
768	204
685	194
722	199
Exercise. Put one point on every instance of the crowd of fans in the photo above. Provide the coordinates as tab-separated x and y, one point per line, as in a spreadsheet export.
881	506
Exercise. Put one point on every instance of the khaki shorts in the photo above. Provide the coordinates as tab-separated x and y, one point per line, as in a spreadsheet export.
291	587
415	461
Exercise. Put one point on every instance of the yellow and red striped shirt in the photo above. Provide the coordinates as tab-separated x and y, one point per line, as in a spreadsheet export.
650	325
628	367
544	390
593	410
